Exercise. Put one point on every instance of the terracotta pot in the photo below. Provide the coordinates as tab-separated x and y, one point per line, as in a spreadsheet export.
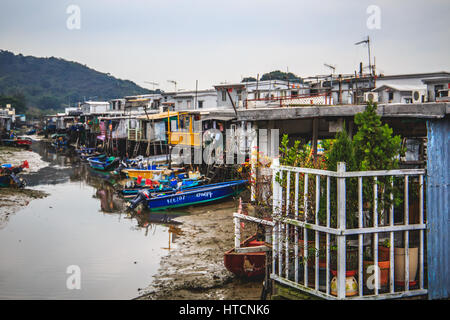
383	253
351	285
399	271
384	271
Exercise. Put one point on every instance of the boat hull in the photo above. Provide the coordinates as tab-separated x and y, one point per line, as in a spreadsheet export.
6	181
196	195
101	163
145	174
249	264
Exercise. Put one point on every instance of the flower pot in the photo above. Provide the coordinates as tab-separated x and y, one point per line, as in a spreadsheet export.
399	271
383	253
351	285
383	274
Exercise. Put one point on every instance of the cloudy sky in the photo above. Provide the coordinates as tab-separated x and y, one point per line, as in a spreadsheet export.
216	41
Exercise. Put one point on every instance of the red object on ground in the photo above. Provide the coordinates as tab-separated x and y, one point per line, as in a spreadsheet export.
139	180
249	264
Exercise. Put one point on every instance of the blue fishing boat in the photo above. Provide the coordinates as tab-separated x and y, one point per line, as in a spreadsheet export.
103	163
9	175
191	196
185	184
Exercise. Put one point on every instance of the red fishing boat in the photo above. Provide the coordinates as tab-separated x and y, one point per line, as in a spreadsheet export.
248	263
24	141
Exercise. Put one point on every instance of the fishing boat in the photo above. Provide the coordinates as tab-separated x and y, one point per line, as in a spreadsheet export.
85	153
24	141
150	172
9	175
18	142
155	187
191	196
247	263
103	163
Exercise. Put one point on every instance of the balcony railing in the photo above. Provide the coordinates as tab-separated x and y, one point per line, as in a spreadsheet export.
320	99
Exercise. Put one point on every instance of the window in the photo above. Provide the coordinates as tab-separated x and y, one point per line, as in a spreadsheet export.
188	104
391	96
200	104
224	95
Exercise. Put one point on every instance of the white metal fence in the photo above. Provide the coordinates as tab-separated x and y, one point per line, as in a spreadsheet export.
328	221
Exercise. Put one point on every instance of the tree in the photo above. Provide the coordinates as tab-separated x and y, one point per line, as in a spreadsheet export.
279	75
17	101
375	147
342	150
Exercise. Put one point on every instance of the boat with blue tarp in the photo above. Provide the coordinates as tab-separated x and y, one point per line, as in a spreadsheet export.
103	163
191	196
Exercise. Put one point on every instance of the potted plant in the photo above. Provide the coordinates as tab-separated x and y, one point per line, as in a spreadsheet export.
383	263
399	264
351	284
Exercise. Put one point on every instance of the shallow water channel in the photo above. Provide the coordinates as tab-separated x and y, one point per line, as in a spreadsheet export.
81	223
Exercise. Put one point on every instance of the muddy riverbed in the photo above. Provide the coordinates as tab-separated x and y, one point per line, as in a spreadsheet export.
194	269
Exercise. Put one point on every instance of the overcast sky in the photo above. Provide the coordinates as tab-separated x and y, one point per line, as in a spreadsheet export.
217	41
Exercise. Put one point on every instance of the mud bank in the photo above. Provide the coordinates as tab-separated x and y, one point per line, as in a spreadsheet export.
13	199
194	268
17	156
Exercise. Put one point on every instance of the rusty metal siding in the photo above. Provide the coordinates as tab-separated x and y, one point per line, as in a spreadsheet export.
438	213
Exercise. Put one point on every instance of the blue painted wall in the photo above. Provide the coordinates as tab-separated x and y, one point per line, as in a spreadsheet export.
438	208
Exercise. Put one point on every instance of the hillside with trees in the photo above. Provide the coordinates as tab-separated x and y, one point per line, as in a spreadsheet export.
53	83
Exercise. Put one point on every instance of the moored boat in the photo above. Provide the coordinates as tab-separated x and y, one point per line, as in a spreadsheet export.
155	187
103	163
246	264
191	196
9	175
17	142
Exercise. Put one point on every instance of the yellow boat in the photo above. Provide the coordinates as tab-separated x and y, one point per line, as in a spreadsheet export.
153	174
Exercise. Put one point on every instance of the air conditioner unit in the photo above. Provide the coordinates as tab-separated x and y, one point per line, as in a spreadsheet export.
419	96
371	96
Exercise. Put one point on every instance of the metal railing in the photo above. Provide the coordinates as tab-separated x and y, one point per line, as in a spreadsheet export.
345	232
286	101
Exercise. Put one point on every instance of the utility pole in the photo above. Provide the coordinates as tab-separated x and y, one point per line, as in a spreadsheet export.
196	90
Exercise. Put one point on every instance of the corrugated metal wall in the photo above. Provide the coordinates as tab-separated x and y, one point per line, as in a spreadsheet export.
438	216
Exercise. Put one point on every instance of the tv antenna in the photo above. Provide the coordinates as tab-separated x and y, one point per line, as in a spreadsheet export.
175	84
368	47
152	83
330	66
